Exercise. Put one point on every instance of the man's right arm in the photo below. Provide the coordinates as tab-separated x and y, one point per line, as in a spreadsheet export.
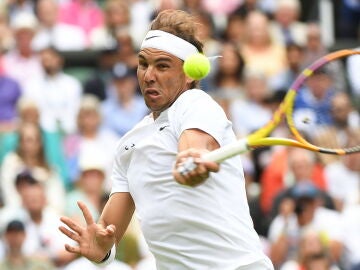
94	240
118	211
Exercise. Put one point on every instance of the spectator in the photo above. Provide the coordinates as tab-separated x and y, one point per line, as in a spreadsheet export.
89	188
212	46
10	93
15	236
90	137
278	173
28	112
21	62
260	52
350	218
314	102
41	224
343	176
140	13
235	29
16	7
161	5
286	27
125	103
255	92
345	125
86	14
246	7
294	65
227	85
57	94
301	166
315	49
312	254
6	34
117	17
125	52
30	156
52	33
194	6
207	34
306	213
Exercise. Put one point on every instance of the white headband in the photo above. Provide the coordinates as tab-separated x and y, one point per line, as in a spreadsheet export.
170	43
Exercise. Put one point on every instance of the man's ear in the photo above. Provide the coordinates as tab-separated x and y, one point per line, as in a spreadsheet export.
189	81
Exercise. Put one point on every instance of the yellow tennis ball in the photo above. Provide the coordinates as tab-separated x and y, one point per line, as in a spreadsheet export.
196	66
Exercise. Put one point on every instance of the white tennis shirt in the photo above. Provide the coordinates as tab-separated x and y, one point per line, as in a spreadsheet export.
206	227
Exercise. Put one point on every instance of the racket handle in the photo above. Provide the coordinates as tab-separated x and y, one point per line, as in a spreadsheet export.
218	155
227	151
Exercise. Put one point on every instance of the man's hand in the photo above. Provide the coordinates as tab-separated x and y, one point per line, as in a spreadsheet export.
94	240
197	175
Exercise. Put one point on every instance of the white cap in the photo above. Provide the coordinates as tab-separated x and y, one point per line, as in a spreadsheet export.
24	20
91	161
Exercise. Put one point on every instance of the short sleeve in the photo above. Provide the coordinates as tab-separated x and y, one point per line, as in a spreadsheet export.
196	109
118	176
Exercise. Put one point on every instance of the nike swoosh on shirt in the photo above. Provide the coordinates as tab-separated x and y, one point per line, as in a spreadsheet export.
162	128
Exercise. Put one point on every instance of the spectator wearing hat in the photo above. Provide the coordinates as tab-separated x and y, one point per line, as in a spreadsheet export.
90	136
124	107
22	62
14	239
89	188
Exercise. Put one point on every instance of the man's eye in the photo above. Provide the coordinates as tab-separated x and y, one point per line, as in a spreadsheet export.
163	66
143	65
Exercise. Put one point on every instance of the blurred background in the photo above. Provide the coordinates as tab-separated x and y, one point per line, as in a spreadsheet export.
68	92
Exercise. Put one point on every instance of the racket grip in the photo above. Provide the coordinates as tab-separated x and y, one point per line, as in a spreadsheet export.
218	155
227	151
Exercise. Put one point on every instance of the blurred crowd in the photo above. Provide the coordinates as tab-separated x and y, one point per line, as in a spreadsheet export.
58	132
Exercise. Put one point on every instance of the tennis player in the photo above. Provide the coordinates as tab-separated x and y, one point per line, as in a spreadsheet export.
195	220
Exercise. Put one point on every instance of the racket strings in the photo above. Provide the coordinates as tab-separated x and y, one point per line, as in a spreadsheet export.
321	114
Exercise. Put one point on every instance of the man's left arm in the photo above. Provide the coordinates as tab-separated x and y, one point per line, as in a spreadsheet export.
193	143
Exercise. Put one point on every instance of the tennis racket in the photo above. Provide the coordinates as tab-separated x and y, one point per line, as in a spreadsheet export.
304	129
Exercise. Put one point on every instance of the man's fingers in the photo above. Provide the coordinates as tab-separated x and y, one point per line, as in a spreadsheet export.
210	165
111	229
70	234
71	224
86	213
72	249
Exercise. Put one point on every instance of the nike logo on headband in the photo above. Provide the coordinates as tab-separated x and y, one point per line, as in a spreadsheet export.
151	37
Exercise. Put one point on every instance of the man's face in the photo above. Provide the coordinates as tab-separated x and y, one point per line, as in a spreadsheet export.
51	62
161	79
15	239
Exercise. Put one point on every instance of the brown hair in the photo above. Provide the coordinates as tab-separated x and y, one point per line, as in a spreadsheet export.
180	24
41	154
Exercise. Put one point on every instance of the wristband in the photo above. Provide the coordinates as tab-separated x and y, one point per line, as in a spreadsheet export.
109	258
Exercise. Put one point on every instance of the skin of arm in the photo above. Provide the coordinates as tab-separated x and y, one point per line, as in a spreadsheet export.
194	143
